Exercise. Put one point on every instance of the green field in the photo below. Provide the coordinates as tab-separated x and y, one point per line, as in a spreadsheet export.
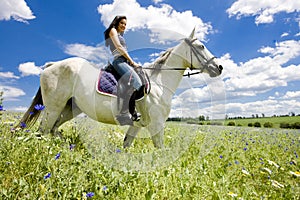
274	120
198	162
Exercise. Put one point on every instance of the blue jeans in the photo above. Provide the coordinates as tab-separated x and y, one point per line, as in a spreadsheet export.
126	72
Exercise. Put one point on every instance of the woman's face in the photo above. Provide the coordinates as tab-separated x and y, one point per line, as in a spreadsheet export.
122	25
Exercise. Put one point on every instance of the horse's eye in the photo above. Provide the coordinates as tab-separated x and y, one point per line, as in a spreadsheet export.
202	46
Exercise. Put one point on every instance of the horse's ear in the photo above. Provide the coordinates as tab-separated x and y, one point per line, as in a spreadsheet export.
192	33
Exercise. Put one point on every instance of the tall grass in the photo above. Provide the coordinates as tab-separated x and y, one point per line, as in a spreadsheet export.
199	162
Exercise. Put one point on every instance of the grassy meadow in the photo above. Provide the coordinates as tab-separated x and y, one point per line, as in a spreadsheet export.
198	162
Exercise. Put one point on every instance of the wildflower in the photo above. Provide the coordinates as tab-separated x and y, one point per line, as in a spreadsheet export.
47	176
57	156
221	156
118	150
72	146
267	170
245	172
273	163
245	149
276	184
31	113
1	108
232	194
23	125
295	174
39	107
236	162
104	188
90	194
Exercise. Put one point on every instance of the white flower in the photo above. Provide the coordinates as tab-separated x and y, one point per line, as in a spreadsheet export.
232	194
276	184
273	163
296	174
267	170
245	172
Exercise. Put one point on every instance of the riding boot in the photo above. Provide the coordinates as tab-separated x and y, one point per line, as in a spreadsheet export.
135	116
124	117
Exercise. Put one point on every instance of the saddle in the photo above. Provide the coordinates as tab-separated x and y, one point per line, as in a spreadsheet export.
108	82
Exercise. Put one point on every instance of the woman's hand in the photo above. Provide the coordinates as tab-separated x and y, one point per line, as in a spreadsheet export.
134	64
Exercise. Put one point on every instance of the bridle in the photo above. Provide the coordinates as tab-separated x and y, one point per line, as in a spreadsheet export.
204	62
193	50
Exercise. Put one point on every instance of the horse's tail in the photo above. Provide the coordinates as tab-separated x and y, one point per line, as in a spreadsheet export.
32	114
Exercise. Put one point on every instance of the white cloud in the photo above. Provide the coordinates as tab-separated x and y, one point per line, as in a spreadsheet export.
29	68
284	34
254	77
164	22
157	1
11	93
263	10
16	9
8	75
292	95
261	74
98	53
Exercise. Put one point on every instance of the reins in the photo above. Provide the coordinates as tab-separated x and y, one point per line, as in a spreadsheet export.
196	53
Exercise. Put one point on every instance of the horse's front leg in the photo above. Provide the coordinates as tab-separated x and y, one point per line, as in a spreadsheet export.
130	135
157	136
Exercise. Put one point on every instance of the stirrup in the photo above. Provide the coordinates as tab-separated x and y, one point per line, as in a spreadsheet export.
136	116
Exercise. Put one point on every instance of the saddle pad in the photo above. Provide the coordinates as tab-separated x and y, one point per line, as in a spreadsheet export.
107	84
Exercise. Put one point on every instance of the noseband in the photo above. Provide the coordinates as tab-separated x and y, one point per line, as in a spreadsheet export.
204	62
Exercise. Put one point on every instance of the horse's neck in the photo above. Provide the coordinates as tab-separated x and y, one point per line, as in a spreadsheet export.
171	78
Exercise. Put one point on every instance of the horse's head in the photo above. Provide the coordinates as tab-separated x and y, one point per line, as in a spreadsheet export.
200	57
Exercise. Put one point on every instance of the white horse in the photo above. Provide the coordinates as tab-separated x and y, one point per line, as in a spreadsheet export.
68	88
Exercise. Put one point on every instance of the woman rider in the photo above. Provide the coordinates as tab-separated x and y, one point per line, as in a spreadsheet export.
124	66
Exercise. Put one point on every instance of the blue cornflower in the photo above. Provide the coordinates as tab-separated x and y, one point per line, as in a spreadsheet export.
221	156
31	113
1	108
236	162
23	125
90	194
72	146
47	176
57	156
118	150
39	107
104	188
245	149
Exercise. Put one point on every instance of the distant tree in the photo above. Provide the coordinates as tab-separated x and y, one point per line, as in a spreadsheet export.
257	124
292	114
231	123
253	116
256	115
207	118
262	114
201	118
268	125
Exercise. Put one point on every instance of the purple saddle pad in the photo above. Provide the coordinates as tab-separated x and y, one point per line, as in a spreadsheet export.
107	83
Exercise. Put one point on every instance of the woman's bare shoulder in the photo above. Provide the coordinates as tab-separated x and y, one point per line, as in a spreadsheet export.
113	32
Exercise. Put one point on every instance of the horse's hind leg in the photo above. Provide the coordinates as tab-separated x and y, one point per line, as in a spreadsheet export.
70	111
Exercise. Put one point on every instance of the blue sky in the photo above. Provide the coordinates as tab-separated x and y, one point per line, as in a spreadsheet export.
256	41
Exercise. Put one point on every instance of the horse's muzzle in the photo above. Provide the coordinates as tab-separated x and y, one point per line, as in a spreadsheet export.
220	68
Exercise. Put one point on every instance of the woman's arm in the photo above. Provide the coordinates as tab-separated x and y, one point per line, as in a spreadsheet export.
113	34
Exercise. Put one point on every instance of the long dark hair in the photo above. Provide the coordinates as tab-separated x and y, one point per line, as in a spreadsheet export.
113	24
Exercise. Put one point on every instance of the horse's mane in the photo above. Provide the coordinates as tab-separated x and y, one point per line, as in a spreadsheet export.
161	60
